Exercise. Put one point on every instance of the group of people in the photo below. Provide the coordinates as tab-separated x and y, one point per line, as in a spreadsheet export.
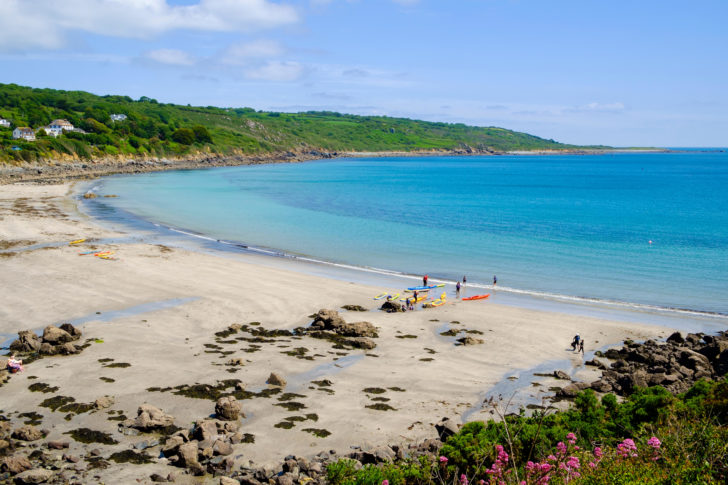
577	344
14	365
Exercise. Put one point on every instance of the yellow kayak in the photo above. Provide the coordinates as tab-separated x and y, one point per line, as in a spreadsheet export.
393	297
412	298
380	296
77	241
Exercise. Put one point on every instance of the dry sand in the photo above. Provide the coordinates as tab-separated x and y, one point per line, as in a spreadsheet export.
175	300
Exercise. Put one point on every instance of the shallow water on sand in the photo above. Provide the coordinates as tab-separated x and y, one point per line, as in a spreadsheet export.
574	228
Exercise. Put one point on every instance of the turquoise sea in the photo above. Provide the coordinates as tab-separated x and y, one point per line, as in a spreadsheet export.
630	229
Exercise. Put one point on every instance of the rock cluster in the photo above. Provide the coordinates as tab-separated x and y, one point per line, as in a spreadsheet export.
675	364
392	307
149	418
329	324
55	341
207	448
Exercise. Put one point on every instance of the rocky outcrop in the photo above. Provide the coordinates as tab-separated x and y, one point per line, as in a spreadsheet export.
55	341
470	341
149	418
228	408
328	324
27	341
276	380
675	364
390	306
28	433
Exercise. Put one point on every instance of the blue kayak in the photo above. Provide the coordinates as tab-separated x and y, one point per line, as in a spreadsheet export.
423	288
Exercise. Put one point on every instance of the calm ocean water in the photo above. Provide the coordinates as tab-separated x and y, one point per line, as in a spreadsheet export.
572	226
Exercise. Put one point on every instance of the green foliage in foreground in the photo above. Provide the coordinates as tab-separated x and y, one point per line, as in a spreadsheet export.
158	129
652	437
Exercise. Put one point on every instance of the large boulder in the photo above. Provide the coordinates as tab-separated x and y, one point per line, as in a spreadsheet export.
15	464
27	433
470	341
228	408
71	330
149	418
358	329
446	428
188	458
276	380
327	320
392	306
67	349
55	336
27	341
37	475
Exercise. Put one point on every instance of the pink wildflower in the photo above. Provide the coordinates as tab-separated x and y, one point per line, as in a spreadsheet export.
463	479
385	482
561	447
592	464
654	442
551	457
598	452
443	460
571	438
627	448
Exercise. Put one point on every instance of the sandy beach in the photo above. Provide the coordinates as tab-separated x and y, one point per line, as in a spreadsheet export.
158	308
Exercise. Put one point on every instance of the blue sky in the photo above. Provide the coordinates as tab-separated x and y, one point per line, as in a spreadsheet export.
623	73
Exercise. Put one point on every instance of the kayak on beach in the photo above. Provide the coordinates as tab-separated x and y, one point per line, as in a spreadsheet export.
424	288
412	298
476	297
380	296
393	297
77	241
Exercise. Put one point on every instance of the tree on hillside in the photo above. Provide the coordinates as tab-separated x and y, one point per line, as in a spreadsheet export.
201	134
184	136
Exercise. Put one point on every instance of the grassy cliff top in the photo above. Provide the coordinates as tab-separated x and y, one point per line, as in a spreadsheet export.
157	129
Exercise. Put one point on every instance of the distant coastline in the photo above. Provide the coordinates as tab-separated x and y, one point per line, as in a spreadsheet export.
58	171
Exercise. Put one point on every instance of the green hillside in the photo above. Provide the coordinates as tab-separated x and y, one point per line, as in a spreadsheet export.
156	129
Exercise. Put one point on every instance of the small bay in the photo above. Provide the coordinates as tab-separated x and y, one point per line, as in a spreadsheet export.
635	228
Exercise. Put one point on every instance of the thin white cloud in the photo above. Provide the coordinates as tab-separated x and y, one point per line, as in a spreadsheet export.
276	71
594	107
45	24
172	57
239	54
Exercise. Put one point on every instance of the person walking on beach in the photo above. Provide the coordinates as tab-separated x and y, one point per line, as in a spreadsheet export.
424	280
495	280
581	346
465	281
575	343
457	288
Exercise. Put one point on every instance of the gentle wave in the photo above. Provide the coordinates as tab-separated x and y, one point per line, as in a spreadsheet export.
519	291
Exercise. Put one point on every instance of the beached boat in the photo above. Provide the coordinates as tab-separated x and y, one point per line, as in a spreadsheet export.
424	288
476	297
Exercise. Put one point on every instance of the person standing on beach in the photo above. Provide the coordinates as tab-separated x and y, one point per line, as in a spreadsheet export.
495	280
457	288
581	346
465	280
424	280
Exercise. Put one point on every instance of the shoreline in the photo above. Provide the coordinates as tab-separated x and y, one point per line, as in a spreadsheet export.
119	305
53	172
653	314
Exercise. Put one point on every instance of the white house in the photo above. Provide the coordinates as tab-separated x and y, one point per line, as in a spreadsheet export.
57	127
24	133
118	117
4	123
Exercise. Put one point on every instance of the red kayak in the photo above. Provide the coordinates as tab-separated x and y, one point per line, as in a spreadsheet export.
477	297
